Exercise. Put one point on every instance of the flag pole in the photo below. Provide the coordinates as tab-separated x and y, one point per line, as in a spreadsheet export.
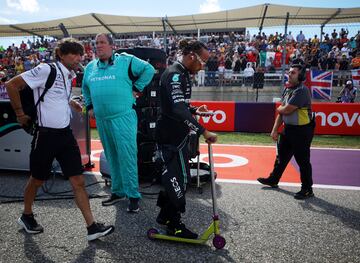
284	55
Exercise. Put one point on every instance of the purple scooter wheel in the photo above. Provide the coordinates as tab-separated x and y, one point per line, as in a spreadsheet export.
151	232
219	242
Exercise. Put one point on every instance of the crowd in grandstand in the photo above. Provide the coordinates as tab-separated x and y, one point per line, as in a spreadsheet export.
231	53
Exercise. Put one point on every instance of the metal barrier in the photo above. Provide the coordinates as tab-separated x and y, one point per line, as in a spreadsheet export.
274	78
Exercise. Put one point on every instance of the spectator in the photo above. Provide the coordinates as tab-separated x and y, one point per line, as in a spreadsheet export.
343	67
277	60
343	40
326	38
19	67
27	64
236	63
334	34
201	76
247	36
23	46
157	42
345	50
352	45
331	61
300	37
221	41
228	70
322	62
270	67
3	92
243	62
221	69
355	62
348	93
249	74
289	37
212	67
343	33
335	50
315	40
314	62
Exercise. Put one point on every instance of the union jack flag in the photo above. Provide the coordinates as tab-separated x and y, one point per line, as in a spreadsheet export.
320	83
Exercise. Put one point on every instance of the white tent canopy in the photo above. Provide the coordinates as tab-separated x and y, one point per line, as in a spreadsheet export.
255	16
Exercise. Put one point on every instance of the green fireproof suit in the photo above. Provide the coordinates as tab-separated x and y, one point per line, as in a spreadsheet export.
108	89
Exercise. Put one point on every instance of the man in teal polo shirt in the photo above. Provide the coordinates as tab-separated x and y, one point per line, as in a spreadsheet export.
108	93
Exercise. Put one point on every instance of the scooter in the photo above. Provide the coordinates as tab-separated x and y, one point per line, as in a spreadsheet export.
218	241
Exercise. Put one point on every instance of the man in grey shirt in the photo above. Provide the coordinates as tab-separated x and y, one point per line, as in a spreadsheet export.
295	139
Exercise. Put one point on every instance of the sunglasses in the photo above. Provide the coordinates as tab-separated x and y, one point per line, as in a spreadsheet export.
202	62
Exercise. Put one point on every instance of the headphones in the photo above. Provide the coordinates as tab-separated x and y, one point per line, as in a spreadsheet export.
302	72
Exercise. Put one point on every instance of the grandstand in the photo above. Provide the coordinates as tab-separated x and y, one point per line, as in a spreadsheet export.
226	33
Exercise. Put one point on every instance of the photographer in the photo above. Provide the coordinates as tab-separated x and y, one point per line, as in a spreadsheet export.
348	93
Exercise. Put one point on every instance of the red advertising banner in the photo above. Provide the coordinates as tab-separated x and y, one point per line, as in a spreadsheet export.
223	118
92	123
336	118
331	118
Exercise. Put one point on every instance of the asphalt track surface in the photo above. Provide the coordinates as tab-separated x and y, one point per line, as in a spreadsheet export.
260	224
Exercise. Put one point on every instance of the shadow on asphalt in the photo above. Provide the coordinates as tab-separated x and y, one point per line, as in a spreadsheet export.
56	188
32	251
131	229
348	217
89	253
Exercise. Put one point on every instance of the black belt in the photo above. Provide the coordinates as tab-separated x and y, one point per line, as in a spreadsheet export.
53	130
297	126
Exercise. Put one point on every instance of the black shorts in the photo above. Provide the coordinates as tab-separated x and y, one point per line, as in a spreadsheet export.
49	144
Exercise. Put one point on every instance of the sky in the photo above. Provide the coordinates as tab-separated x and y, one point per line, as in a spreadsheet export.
26	11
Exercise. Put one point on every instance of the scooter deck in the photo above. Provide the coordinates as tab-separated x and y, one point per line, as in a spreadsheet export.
162	235
213	229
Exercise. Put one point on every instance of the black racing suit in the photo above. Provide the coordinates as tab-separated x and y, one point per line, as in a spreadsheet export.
175	123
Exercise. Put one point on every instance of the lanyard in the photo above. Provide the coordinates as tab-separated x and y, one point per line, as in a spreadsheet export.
63	77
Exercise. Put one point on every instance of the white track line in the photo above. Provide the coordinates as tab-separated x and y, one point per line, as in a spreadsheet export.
233	181
338	187
273	146
269	146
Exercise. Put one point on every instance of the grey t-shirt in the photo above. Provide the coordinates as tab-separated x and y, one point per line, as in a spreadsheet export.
299	97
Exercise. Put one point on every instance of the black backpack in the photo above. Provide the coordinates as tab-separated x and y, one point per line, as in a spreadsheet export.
27	100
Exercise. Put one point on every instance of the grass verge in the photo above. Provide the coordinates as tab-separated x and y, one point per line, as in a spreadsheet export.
331	141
